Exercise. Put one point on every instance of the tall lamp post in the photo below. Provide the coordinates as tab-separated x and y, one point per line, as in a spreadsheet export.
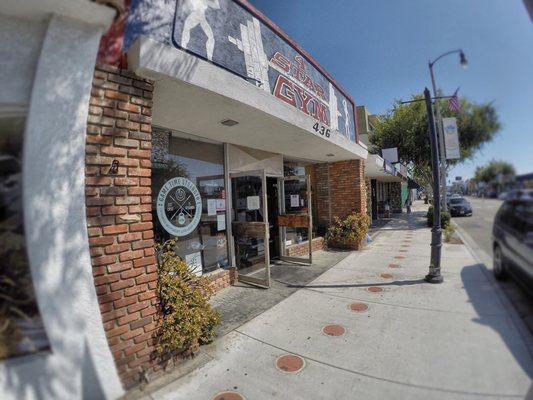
434	275
464	64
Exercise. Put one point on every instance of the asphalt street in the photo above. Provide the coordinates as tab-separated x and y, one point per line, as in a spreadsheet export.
479	228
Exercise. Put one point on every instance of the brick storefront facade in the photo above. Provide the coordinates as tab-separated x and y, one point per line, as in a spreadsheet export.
119	216
119	219
339	189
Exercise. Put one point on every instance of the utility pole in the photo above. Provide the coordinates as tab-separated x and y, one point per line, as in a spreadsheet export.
434	275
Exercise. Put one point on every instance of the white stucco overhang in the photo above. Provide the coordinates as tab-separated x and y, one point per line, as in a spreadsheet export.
194	96
84	10
375	169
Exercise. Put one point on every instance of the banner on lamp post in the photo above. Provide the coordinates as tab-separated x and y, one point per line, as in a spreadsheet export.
451	138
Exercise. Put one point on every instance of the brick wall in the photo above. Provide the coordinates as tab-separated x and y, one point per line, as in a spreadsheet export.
302	249
321	199
340	189
221	278
119	216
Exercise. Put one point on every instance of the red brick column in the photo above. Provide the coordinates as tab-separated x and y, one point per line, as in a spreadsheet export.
340	189
321	190
119	216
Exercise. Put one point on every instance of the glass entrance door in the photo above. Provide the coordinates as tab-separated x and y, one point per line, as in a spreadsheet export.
250	227
295	219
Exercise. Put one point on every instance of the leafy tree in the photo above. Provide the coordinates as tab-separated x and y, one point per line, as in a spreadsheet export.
405	126
492	172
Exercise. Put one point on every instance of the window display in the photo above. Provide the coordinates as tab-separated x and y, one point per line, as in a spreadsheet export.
189	198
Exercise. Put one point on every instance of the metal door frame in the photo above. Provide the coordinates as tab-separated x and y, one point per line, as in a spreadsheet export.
248	279
282	211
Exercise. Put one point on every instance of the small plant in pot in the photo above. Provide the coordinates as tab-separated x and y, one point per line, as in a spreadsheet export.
348	233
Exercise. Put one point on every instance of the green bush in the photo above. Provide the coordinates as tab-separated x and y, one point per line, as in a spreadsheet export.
188	319
352	229
445	218
448	233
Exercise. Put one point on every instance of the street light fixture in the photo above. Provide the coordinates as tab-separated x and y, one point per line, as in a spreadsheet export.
462	60
464	63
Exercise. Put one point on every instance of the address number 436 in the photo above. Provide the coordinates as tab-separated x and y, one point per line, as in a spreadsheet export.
321	129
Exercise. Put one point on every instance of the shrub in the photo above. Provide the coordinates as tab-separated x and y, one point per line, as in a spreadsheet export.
445	218
349	231
448	233
188	319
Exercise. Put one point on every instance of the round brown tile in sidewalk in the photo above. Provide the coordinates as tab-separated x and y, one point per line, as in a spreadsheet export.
334	330
405	245
386	276
290	363
394	266
374	289
228	396
399	257
358	307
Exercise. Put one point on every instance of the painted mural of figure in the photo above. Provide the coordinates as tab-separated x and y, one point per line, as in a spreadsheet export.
346	118
333	110
197	17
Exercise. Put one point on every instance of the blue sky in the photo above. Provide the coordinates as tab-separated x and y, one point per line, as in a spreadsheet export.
379	49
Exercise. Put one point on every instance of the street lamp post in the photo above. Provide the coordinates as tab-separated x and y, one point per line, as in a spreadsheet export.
442	180
434	275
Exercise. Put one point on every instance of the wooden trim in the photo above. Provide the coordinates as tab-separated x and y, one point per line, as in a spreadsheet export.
294	220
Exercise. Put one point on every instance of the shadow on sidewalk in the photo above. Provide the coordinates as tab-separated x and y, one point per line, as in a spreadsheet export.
511	336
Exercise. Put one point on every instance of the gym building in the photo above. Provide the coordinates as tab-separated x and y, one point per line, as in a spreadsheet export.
140	121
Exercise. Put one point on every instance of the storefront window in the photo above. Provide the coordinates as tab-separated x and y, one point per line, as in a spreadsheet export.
21	329
189	199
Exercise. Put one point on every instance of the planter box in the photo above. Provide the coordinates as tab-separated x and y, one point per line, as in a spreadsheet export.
294	220
346	244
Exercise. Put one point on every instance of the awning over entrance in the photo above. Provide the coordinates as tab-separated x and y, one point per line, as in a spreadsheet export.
377	168
195	96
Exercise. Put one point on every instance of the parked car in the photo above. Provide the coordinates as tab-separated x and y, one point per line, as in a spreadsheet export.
512	240
503	195
459	206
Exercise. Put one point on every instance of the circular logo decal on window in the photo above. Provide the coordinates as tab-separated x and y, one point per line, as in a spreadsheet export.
179	206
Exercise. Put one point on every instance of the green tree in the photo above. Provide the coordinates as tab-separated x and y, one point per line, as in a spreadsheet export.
405	126
495	173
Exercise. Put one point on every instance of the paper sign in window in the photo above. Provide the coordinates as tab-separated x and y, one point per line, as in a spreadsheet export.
221	222
252	203
221	204
211	206
295	200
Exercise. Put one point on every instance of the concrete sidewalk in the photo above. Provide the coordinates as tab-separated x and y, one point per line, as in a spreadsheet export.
413	341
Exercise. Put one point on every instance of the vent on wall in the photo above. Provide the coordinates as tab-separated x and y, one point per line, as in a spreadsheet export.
229	122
